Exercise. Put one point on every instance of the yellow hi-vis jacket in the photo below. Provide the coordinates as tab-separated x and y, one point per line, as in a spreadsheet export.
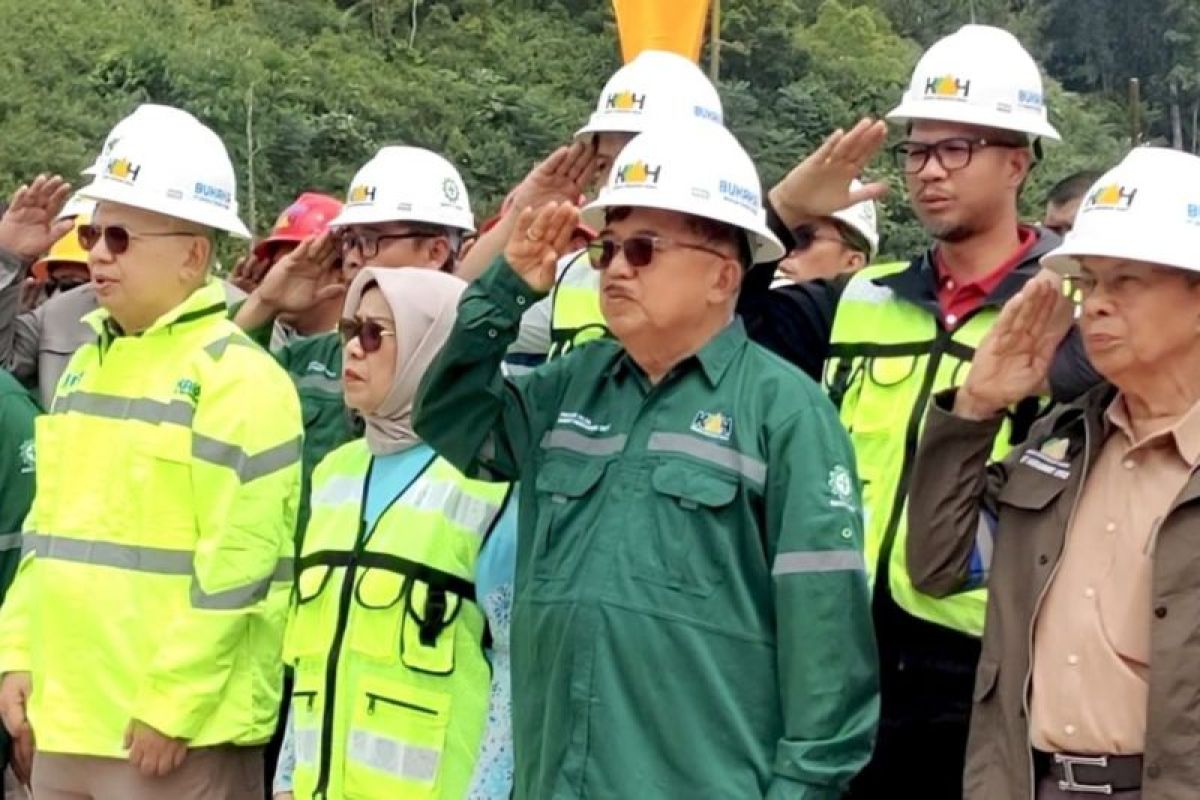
156	570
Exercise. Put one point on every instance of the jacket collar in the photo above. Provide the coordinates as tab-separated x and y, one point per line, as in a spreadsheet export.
714	357
918	284
206	301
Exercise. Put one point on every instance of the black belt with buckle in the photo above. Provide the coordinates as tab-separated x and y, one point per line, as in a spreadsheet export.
1092	774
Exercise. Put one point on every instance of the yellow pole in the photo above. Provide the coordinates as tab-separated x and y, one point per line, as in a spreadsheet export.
673	25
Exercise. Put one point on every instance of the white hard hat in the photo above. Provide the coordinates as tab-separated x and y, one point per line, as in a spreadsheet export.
860	218
656	86
177	167
407	184
148	115
693	168
77	206
1147	208
979	75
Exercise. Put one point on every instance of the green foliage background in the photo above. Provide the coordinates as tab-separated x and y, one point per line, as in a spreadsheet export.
495	84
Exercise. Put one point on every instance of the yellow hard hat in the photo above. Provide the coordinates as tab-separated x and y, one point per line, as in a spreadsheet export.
65	249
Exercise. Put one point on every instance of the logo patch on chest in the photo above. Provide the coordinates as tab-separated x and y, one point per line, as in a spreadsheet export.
713	424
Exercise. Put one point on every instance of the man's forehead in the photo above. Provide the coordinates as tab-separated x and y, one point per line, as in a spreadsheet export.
935	130
649	219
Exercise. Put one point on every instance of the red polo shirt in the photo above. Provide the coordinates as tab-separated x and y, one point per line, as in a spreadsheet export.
960	299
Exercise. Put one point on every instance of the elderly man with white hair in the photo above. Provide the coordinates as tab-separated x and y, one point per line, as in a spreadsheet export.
1086	535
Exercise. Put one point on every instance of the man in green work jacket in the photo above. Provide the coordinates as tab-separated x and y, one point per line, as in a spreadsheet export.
17	415
692	616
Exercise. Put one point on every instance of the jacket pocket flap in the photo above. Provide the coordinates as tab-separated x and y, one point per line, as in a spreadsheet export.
695	486
569	478
1030	489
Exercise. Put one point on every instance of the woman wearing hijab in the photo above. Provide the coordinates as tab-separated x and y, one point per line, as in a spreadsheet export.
394	698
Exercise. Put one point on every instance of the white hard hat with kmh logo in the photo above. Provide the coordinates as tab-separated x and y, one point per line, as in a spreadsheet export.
695	168
979	75
147	115
654	88
173	165
407	184
1147	208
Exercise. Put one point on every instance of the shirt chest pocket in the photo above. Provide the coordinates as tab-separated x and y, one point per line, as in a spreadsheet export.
683	537
563	529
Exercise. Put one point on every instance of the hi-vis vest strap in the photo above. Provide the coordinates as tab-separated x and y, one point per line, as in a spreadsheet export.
888	357
392	684
575	315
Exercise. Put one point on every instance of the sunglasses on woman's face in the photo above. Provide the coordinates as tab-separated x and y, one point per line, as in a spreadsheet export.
369	333
116	237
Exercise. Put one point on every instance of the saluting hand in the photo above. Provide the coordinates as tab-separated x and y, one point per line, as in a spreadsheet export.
562	177
1013	360
820	184
539	239
296	282
28	227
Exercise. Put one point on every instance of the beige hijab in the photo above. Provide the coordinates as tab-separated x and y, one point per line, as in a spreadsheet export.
424	305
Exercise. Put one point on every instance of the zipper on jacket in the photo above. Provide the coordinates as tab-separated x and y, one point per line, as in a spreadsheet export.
343	621
1037	607
373	699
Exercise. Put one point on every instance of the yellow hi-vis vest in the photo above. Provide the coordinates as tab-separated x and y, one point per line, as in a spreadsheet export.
575	315
888	357
392	684
157	555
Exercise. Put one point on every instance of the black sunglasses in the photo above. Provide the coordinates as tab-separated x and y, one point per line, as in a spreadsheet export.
116	237
638	250
369	333
806	235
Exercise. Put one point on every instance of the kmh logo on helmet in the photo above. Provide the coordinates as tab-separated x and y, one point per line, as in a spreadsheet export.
947	86
638	172
1112	196
362	194
122	169
625	101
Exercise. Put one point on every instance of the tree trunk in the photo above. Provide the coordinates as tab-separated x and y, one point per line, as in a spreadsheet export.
1176	118
1195	120
251	200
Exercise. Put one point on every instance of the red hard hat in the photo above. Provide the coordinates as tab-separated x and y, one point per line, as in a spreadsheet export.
309	215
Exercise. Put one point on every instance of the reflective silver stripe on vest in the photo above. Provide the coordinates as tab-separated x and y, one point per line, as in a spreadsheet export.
153	561
316	380
807	561
10	541
306	741
750	468
142	409
398	759
578	443
338	490
446	498
247	467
